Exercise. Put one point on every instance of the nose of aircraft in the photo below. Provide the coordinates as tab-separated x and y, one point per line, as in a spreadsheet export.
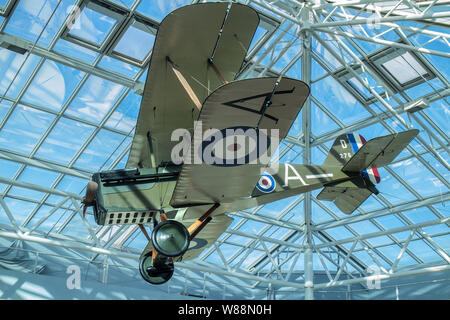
89	198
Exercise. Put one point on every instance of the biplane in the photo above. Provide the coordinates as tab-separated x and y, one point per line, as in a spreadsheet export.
191	86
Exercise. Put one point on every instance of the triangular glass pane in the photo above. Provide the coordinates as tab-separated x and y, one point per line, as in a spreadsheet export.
320	121
338	100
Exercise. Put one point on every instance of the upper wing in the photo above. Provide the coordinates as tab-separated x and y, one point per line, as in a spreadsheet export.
238	105
180	76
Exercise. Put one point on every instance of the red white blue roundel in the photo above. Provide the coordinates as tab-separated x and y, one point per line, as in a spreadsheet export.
266	183
234	146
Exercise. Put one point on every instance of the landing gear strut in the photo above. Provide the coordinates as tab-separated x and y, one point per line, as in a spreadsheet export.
169	239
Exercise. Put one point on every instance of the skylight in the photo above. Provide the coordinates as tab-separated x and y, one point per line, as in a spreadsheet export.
137	42
405	68
93	23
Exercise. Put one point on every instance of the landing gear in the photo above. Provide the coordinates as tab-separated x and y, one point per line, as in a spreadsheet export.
156	273
170	238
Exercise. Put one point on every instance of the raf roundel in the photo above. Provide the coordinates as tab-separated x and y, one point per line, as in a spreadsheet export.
266	183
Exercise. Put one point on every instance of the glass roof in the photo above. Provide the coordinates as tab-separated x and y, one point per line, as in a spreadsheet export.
71	80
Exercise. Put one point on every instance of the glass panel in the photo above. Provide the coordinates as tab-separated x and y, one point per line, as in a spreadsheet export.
118	66
92	26
376	241
294	155
100	149
392	190
364	227
136	43
322	52
424	251
38	176
52	85
95	99
339	233
76	228
64	141
72	184
8	170
443	242
26	193
20	209
24	129
158	9
60	16
319	215
404	68
127	3
51	223
136	240
418	177
16	69
338	100
253	227
75	51
239	240
318	154
392	252
420	215
320	121
4	108
258	35
30	17
125	116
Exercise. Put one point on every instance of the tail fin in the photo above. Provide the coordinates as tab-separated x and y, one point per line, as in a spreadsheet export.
344	148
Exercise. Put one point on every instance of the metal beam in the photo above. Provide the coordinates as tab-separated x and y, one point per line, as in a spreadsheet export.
68	61
385	232
380	277
7	155
410	205
306	129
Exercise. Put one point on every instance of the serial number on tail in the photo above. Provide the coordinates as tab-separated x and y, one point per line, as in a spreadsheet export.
247	309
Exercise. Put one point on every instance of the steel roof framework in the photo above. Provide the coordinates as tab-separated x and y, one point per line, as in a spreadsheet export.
297	29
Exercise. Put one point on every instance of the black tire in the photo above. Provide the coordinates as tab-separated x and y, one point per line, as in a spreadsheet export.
170	238
155	274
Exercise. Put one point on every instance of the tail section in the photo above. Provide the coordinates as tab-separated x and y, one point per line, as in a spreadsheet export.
356	142
344	148
355	155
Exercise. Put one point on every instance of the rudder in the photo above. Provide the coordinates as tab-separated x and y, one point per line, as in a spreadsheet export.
343	149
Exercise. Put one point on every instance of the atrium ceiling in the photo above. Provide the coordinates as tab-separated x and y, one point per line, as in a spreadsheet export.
72	76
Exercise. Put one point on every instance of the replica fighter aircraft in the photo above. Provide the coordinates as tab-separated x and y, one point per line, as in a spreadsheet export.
191	88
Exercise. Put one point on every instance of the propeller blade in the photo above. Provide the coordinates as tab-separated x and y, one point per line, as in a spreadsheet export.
89	198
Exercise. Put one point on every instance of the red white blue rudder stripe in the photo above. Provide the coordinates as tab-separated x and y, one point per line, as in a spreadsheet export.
356	142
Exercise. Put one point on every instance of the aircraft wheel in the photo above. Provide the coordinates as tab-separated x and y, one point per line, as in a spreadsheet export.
155	274
170	238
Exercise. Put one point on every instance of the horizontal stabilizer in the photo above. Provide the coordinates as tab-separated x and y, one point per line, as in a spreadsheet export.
347	199
380	151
